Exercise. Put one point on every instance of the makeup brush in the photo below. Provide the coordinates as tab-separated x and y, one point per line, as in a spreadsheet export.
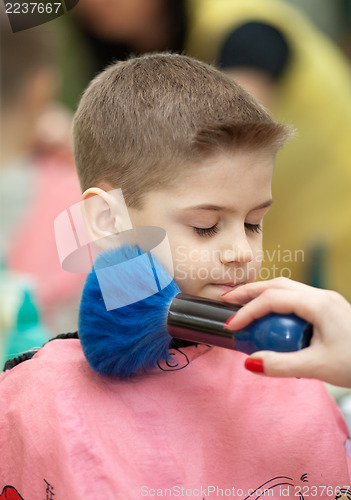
131	309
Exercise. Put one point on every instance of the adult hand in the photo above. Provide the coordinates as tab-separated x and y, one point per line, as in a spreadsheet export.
328	357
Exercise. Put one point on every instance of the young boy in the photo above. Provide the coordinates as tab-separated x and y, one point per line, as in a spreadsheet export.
193	153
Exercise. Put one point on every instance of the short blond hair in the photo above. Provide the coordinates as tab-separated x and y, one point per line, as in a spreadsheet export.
141	122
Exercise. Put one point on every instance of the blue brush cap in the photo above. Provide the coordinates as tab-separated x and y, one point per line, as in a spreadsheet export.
274	332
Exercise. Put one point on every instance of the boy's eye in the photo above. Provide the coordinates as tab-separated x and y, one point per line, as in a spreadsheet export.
255	228
206	231
211	231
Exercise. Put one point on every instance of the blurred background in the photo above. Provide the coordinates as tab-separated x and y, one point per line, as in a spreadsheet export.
293	55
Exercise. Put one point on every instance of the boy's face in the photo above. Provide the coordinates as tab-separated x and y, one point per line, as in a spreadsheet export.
213	219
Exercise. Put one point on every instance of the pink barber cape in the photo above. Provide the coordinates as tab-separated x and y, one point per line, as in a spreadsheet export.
200	427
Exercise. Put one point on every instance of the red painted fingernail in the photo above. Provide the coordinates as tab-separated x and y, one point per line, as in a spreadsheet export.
254	365
229	320
225	293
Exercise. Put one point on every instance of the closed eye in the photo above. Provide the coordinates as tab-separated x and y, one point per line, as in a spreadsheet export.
255	228
206	231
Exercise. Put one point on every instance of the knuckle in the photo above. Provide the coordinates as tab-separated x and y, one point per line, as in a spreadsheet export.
282	280
269	294
331	297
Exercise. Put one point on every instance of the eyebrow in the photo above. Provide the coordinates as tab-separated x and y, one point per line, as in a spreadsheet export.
217	208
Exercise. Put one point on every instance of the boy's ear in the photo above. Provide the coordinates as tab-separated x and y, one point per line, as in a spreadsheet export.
105	215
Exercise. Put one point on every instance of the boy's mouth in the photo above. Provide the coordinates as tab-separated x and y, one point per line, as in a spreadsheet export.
226	287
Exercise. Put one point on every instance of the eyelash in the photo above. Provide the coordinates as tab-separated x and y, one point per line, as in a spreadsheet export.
211	231
255	228
206	231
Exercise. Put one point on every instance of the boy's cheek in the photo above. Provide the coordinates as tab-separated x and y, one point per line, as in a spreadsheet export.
193	275
255	265
195	269
258	257
186	279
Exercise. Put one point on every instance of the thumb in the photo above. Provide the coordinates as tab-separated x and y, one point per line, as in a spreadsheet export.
276	364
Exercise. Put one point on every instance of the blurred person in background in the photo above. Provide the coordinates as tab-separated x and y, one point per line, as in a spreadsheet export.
273	51
118	28
37	175
295	70
345	38
333	18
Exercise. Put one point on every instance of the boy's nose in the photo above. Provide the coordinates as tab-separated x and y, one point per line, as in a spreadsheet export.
239	251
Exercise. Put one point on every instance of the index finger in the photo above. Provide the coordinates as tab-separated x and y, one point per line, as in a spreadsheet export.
280	301
245	293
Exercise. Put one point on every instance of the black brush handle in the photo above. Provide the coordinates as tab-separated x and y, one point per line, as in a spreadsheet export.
200	320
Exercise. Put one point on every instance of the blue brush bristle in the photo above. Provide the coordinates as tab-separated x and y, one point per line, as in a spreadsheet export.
124	340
